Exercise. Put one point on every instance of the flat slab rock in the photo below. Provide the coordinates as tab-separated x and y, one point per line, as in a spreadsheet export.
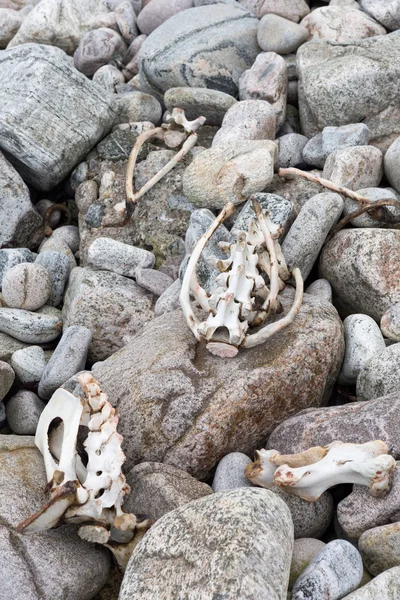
62	116
181	405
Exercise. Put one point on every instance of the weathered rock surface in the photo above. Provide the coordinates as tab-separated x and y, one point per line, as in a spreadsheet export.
380	548
304	549
276	34
214	406
7	377
10	22
310	519
154	13
97	48
355	168
247	120
67	113
386	12
390	323
218	43
384	587
294	10
196	102
23	411
30	327
240	542
380	375
230	474
341	24
331	139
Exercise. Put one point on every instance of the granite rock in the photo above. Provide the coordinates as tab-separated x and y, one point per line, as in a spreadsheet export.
169	299
10	22
57	266
294	10
390	323
356	167
390	163
290	150
123	259
304	550
247	120
380	375
28	365
386	12
320	288
196	102
280	211
8	345
136	107
9	257
331	139
153	281
7	377
380	548
108	77
97	48
340	24
30	327
23	411
276	34
26	286
154	13
297	190
230	473
310	519
373	194
384	587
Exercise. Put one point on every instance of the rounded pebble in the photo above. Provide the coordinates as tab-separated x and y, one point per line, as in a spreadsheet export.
304	550
230	473
7	377
29	363
26	286
390	323
23	411
30	327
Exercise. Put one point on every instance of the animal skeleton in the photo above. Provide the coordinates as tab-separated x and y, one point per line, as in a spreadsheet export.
242	298
308	474
91	495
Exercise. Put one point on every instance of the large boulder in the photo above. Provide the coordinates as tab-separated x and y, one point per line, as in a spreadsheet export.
218	43
61	118
363	267
332	75
181	405
235	544
52	565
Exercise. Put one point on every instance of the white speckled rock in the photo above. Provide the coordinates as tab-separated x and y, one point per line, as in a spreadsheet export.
363	340
385	587
23	411
276	34
304	550
310	519
123	259
26	286
10	22
108	77
294	10
58	267
206	531
230	473
320	288
386	12
30	327
7	377
290	150
9	257
66	361
380	548
210	104
341	24
380	375
68	234
334	572
136	106
306	236
390	323
356	167
169	299
280	210
97	48
247	120
28	364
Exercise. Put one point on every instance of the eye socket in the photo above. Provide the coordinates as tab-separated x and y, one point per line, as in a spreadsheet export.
99	473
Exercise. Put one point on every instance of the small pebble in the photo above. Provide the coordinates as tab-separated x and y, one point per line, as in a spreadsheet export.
68	234
320	288
169	300
58	267
30	327
7	377
290	150
153	281
390	323
304	550
23	411
230	473
28	364
26	286
276	34
380	375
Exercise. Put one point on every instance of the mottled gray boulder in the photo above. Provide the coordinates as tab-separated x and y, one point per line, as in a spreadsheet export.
123	259
294	10
30	327
91	300
200	399
363	267
363	341
136	107
390	323
358	422
304	550
68	113
280	211
54	564
310	519
340	24
331	139
7	377
156	489
334	572
218	43
230	473
332	75
239	541
23	411
386	12
28	364
247	120
276	34
290	150
380	548
384	587
20	223
356	167
380	375
306	236
197	102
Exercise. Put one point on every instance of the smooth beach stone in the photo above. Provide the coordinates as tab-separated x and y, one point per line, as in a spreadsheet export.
197	102
123	259
390	162
30	327
154	13
58	267
67	359
390	323
9	345
9	257
372	194
331	139
152	280
290	150
168	301
380	548
23	411
320	288
69	234
58	245
97	48
385	587
108	77
310	519
304	549
276	34
26	286
280	211
334	572
363	340
247	120
386	12
28	364
294	10
340	24
7	377
355	168
230	473
136	107
380	375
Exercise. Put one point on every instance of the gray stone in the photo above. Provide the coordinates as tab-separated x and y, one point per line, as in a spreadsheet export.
297	190
334	138
230	473
3	417
97	48
156	489
68	234
52	244
313	152
9	257
234	170
7	377
21	224
8	345
28	364
332	75
290	150
110	305
276	34
58	267
61	22
310	519
291	66
23	411
136	106
206	2
126	20
363	340
334	572
79	175
390	323
42	207
360	511
355	168
155	13
280	211
51	565
386	12
191	418
154	281
247	120
357	423
373	194
363	268
18	4
391	162
168	301
123	259
267	80
384	587
206	532
10	22
30	327
380	548
26	286
108	77
320	288
68	113
196	102
294	10
67	359
341	24
304	550
218	42
306	236
380	375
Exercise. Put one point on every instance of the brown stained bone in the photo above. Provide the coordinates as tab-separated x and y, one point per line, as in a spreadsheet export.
47	229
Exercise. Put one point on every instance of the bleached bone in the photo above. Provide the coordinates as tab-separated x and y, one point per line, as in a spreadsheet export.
309	476
178	117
